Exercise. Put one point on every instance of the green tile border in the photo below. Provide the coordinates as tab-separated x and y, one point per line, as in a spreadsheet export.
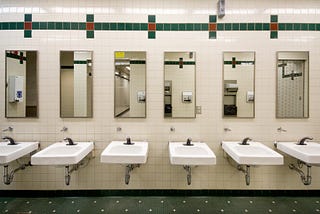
178	63
132	26
157	192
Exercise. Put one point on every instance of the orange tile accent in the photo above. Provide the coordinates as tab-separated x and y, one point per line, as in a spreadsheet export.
152	26
274	26
212	27
90	26
28	25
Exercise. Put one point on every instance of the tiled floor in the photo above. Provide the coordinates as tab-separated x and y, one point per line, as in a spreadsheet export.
148	204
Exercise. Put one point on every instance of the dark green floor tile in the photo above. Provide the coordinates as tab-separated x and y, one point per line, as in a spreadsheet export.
90	18
90	34
13	25
27	17
296	26
27	33
212	35
318	27
128	26
274	18
5	26
212	18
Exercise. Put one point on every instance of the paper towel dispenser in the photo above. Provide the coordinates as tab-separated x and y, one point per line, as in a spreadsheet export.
15	89
231	87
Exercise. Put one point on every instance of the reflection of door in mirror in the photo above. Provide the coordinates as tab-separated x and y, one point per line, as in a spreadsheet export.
130	84
76	84
238	84
179	84
21	84
292	85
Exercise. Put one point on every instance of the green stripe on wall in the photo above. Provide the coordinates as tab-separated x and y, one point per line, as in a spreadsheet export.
137	62
239	62
177	62
80	62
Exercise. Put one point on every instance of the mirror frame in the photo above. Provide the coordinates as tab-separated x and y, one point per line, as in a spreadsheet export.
114	84
6	84
253	85
60	91
194	80
308	87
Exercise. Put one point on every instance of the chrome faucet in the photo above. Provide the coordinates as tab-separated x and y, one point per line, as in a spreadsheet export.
128	141
70	141
303	140
11	141
189	140
245	141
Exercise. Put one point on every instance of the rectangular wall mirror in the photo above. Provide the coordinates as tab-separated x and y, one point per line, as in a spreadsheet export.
292	85
179	84
75	84
238	84
130	84
21	84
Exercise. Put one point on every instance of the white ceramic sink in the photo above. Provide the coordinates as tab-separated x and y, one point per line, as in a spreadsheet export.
118	152
62	154
10	153
309	153
253	154
198	154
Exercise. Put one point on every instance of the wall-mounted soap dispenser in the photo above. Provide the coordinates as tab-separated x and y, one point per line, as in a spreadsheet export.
187	96
141	95
15	89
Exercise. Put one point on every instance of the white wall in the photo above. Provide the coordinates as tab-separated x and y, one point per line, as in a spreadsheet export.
207	127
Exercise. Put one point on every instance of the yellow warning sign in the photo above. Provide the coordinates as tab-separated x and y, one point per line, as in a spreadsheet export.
119	54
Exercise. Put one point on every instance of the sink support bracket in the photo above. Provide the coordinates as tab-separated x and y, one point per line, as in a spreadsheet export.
306	179
188	170
246	172
8	177
128	169
71	168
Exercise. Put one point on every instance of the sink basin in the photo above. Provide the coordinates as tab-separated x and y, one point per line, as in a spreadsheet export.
198	154
10	153
253	154
62	154
117	152
309	153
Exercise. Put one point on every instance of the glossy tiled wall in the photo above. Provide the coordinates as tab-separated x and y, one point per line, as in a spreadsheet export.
245	27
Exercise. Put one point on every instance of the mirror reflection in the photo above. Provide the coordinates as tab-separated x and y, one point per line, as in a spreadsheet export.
292	85
21	84
179	84
238	83
130	84
75	84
